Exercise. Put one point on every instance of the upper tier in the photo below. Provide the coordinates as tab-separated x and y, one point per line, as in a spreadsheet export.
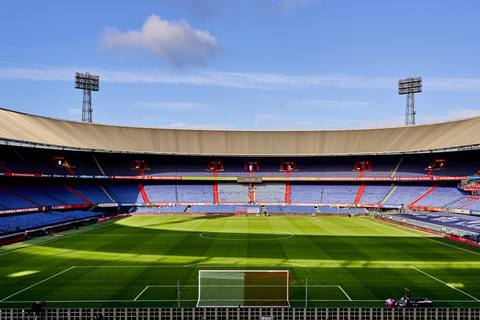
41	130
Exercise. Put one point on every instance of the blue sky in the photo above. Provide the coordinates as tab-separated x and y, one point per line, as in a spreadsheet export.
242	65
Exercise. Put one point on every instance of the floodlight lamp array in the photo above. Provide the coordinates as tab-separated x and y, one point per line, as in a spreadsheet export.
86	81
410	85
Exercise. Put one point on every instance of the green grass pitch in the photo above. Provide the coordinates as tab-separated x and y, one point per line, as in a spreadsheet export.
137	262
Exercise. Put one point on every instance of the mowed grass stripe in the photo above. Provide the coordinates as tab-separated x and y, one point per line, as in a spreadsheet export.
366	259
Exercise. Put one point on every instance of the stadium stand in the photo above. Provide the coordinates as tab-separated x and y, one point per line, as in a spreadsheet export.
9	200
124	192
95	171
17	223
290	209
406	194
374	194
93	192
194	192
270	192
233	193
442	196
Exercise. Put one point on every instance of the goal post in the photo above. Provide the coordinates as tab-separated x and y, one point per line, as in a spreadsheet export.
245	288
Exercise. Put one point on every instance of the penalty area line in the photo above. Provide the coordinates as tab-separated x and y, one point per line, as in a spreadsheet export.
448	285
345	293
33	285
140	293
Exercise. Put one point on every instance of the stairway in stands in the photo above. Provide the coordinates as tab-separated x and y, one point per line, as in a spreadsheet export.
390	192
109	196
423	195
99	167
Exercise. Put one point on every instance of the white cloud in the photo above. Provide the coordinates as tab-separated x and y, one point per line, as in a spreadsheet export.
451	84
176	43
212	127
260	119
322	104
385	123
182	125
450	115
174	106
305	124
75	111
239	80
178	125
155	118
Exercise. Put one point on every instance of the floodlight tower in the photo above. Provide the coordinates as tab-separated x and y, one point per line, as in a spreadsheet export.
88	82
409	86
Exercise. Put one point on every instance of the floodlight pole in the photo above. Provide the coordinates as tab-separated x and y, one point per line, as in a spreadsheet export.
87	106
409	86
410	110
88	83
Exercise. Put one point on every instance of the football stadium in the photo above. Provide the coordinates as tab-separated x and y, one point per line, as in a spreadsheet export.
114	222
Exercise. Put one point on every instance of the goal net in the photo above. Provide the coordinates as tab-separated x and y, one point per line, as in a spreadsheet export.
246	288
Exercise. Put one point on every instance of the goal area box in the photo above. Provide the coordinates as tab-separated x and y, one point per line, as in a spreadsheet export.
245	288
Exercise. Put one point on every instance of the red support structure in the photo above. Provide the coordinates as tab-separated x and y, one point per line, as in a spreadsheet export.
466	204
144	194
252	193
423	195
360	192
215	193
78	194
287	193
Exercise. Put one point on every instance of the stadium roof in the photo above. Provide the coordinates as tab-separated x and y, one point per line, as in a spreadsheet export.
30	129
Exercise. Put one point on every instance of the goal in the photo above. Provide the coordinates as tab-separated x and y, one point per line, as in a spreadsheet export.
245	288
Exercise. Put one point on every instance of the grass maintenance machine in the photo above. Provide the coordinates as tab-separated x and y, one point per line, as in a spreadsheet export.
407	302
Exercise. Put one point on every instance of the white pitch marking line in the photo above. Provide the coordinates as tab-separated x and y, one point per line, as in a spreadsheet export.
100	301
345	293
33	285
416	235
317	219
55	238
178	218
448	285
140	293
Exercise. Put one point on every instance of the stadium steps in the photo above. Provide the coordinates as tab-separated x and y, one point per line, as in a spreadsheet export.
17	195
109	196
4	169
423	195
101	170
317	209
263	209
391	191
187	209
396	169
